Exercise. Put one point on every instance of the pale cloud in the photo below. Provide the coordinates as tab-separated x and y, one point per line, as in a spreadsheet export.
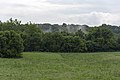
91	12
96	18
100	18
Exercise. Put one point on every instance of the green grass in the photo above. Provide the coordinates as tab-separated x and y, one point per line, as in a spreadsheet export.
62	66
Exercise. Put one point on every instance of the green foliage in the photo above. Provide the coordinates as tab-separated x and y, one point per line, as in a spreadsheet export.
32	37
11	44
81	34
91	46
94	39
102	39
114	29
10	25
52	41
73	44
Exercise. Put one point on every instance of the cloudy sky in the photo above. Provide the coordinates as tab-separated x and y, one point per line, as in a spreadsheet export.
90	12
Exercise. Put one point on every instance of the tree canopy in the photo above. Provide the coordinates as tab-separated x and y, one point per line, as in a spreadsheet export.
33	38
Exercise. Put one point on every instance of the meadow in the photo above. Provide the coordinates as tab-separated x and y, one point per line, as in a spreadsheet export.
62	66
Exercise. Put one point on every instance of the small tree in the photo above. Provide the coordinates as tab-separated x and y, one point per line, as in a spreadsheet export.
11	44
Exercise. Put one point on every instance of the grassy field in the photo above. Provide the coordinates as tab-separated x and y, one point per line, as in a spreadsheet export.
62	66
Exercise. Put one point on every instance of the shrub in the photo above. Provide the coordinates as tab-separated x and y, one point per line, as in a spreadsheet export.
11	44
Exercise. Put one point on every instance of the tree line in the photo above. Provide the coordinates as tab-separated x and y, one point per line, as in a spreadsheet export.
29	37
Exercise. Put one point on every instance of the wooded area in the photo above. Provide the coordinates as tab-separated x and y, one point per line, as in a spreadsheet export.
94	39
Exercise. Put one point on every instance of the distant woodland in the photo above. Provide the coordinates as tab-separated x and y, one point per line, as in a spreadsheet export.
61	38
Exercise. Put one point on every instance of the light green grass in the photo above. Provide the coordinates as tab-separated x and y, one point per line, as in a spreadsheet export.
62	66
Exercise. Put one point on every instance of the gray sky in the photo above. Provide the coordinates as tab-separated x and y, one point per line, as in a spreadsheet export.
90	12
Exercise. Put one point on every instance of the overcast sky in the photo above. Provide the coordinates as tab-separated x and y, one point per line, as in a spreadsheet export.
90	12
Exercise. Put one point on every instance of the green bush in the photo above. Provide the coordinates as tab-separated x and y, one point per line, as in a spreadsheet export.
11	44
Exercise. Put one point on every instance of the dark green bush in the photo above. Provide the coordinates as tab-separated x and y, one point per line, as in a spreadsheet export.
11	44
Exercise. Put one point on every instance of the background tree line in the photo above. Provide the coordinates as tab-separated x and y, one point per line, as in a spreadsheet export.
95	39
